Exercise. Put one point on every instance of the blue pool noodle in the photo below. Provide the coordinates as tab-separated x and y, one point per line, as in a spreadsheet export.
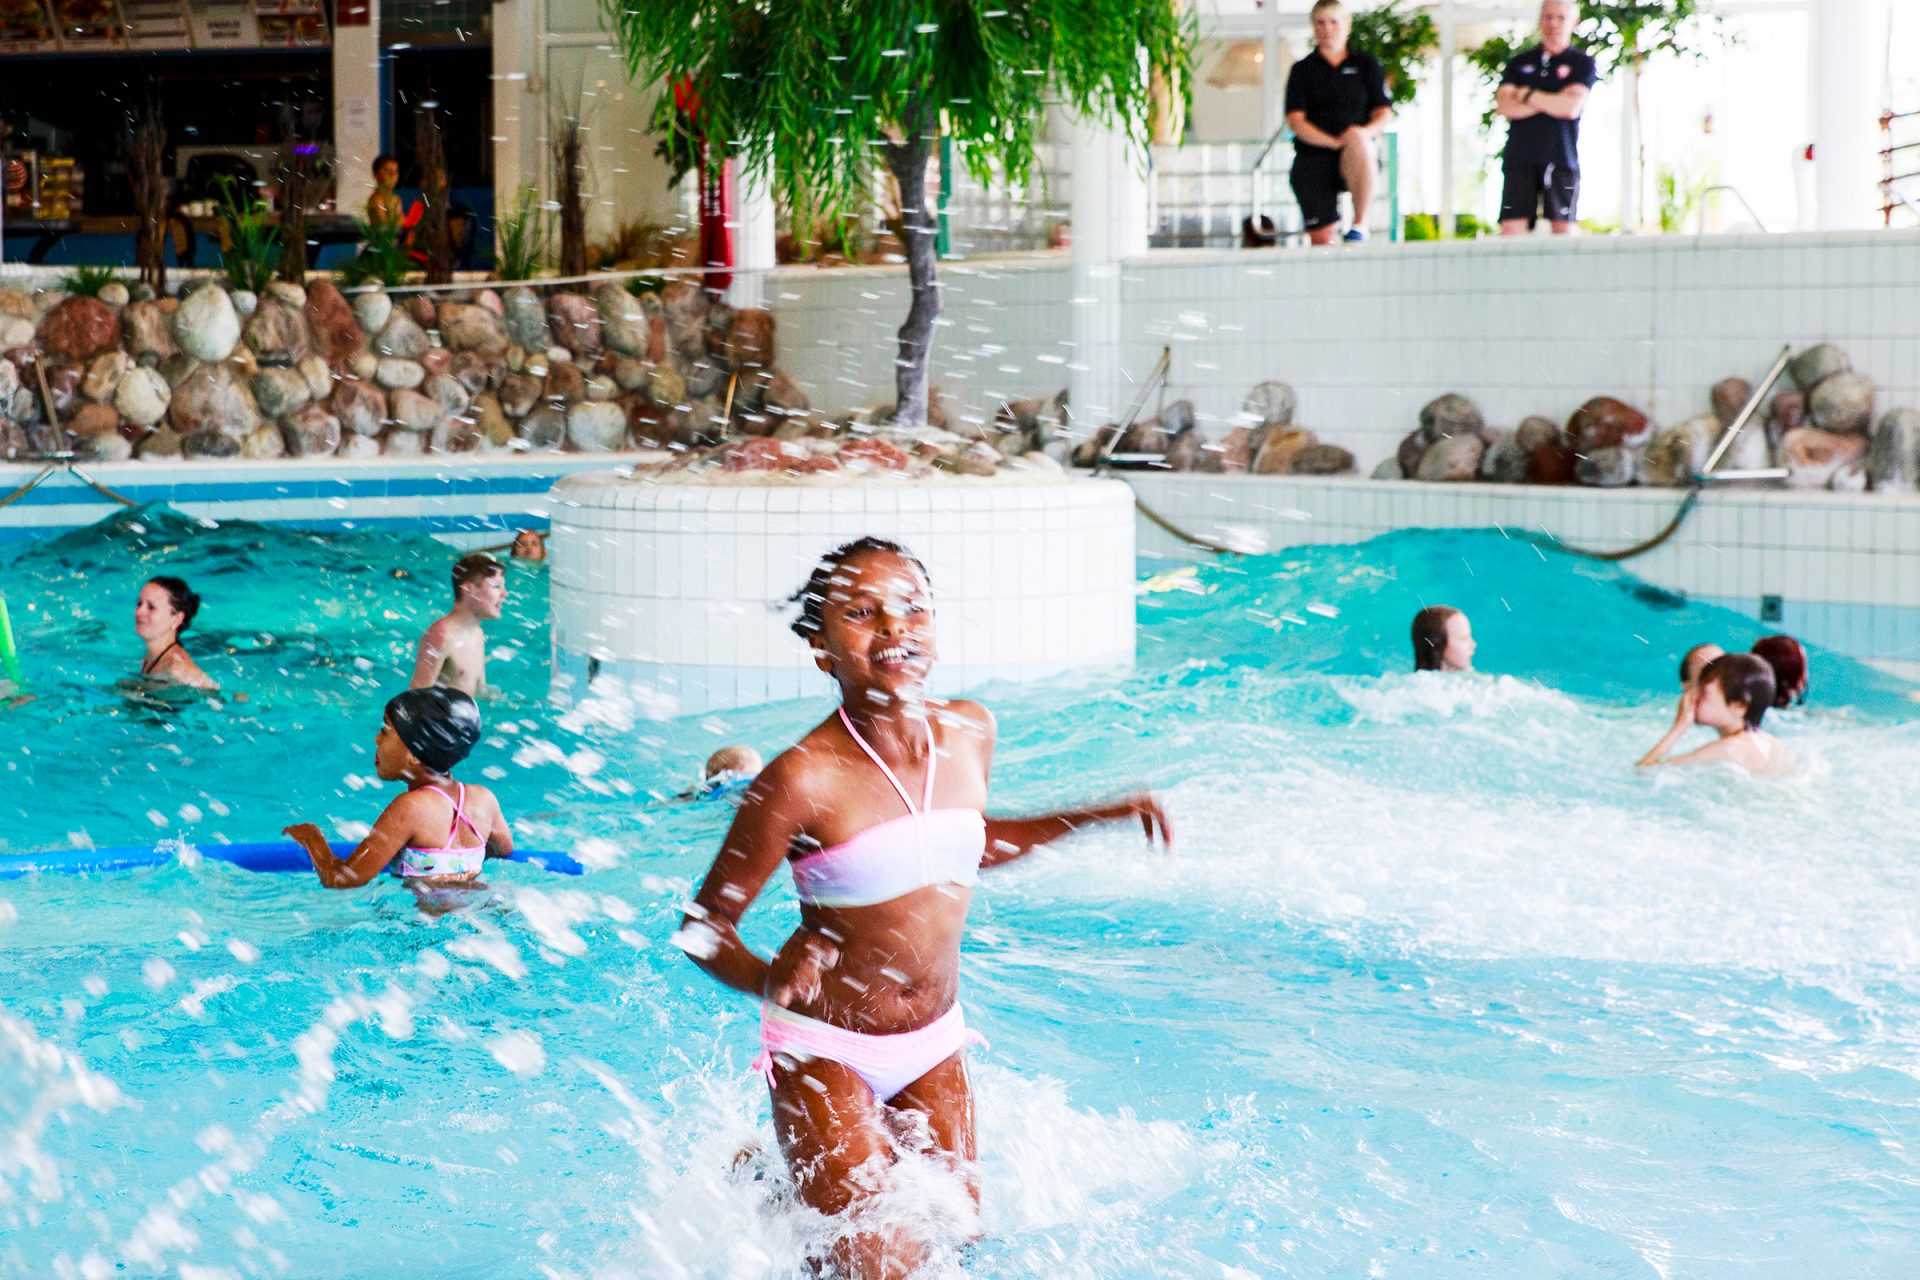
260	855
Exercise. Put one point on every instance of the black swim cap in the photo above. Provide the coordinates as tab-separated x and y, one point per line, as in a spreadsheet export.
438	725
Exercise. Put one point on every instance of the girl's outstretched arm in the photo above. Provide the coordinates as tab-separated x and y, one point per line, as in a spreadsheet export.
380	847
763	830
1012	838
1682	721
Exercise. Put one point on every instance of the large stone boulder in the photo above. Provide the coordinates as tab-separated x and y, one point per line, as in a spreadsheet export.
1552	460
1608	467
1505	461
358	447
1606	423
276	333
1894	461
1450	415
213	400
210	444
318	375
1452	458
372	310
79	328
596	426
336	334
467	327
495	429
395	373
1841	402
205	325
312	432
401	338
684	306
360	406
1728	397
1269	404
748	342
1677	452
1816	364
148	327
447	393
264	443
519	393
623	321
159	445
103	375
1408	454
526	318
545	427
1814	457
1189	452
278	391
1278	449
574	322
1319	459
412	411
471	370
142	397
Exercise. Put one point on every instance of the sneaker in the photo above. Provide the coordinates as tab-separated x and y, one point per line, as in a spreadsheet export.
1355	235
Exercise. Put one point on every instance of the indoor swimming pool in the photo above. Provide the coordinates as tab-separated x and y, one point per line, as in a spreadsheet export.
1435	983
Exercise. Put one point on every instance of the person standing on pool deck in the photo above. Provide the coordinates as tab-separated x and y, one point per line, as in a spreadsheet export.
1442	640
439	833
878	814
165	608
1336	106
1541	96
453	652
1732	698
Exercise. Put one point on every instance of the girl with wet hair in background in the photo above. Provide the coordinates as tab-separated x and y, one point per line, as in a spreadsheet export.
1731	698
1789	662
164	610
878	815
1442	640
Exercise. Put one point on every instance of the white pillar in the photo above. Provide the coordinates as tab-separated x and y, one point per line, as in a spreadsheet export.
1449	37
356	106
519	101
1848	94
1109	226
1630	209
753	228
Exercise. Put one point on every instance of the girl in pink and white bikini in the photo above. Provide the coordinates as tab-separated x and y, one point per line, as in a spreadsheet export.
878	815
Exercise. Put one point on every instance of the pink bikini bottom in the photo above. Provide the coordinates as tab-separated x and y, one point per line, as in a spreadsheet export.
887	1063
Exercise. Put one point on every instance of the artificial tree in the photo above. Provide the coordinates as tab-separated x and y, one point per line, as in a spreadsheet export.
812	91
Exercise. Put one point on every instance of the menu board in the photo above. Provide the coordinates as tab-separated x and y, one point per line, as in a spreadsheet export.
88	24
25	27
297	24
156	24
224	24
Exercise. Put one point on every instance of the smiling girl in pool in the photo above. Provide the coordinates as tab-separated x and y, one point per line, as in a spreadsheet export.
878	813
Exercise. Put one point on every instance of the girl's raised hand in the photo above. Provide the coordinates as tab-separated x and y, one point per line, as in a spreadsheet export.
1153	818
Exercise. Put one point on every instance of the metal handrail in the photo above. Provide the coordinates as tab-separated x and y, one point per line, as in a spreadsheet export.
1700	227
1259	163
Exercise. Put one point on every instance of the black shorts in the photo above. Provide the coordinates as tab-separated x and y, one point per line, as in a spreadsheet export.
1317	185
1532	188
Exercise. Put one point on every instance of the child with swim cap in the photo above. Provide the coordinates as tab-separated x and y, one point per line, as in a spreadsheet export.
439	833
1732	698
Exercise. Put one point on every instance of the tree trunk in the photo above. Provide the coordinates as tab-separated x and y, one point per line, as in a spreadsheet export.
434	236
907	161
148	166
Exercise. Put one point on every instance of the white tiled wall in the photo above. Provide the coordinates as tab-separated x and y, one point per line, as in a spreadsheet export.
1368	334
681	589
1846	567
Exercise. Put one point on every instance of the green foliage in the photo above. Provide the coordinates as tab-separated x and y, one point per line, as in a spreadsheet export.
1403	43
87	282
1679	194
520	238
813	90
1491	60
1620	34
1426	226
382	258
252	252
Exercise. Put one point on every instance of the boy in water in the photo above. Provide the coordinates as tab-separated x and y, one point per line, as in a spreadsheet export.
453	652
1731	698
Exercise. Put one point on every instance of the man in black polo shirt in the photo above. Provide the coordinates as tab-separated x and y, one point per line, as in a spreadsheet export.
1542	95
1336	107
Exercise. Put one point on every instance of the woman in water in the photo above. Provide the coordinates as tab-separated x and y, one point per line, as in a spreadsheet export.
437	834
877	812
165	609
1732	698
1442	640
1789	662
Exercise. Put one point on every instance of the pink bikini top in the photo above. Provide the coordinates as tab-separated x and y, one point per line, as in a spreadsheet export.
924	846
465	860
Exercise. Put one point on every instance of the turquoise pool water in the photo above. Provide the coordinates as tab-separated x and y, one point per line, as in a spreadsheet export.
1436	985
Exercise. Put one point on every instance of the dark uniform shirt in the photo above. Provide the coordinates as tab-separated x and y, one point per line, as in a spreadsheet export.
1335	98
1543	139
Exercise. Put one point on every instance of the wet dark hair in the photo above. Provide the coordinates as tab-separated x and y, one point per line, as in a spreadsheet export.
382	158
439	725
1686	659
1742	678
812	598
1788	660
185	602
1430	636
477	566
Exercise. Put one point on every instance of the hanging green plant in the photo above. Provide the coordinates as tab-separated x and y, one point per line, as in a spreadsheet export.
1402	42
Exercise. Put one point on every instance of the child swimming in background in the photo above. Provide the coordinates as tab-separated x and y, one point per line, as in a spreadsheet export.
1694	662
1788	658
877	813
440	832
1732	698
530	544
453	652
164	609
1442	640
727	769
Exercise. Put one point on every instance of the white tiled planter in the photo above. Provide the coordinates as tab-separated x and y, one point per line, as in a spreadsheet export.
678	591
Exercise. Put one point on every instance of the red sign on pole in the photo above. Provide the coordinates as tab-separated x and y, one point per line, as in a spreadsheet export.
354	13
